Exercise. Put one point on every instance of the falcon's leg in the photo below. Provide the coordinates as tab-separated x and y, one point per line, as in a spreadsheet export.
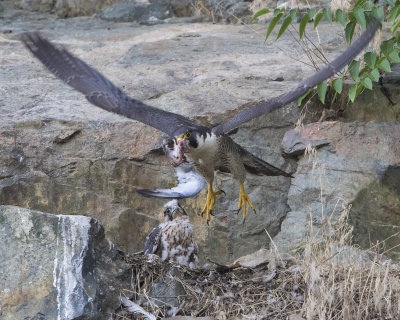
210	201
243	200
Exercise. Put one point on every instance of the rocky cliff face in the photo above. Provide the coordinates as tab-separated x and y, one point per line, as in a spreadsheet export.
57	267
60	154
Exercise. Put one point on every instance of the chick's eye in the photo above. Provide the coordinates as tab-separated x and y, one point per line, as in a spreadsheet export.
187	135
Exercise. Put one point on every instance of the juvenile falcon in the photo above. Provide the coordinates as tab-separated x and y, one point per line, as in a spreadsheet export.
173	240
209	149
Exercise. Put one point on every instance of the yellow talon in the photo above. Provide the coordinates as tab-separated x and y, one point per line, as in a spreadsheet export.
243	200
210	201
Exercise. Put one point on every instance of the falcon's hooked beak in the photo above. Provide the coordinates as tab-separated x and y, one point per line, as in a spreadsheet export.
177	153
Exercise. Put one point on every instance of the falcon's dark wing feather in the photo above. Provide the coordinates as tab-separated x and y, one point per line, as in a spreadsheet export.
257	166
99	90
328	71
152	241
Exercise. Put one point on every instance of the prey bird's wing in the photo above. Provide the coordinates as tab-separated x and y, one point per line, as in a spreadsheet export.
328	71
189	183
99	90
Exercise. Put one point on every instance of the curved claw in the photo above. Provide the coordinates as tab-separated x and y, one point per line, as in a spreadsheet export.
210	201
244	199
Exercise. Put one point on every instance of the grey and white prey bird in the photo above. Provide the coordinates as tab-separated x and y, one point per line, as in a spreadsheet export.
173	240
208	149
188	181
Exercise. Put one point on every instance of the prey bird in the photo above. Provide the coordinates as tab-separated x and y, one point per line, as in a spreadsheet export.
208	149
188	181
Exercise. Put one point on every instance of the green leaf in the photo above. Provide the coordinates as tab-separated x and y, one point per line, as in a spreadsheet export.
367	83
394	27
390	3
360	16
394	56
260	13
310	13
394	13
378	13
374	75
285	25
359	3
349	31
303	24
272	25
354	68
321	90
318	18
300	100
327	15
387	46
352	92
368	5
293	13
340	16
384	65
337	85
370	59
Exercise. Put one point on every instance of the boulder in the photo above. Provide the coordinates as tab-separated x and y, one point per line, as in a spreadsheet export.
57	267
355	164
65	8
138	11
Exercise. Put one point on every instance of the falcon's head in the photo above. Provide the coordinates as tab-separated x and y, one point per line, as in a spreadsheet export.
187	142
173	210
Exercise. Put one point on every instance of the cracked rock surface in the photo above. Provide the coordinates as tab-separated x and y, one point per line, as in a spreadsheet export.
60	154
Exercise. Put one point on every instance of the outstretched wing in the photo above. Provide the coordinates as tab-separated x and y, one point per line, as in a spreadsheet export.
99	90
328	71
189	183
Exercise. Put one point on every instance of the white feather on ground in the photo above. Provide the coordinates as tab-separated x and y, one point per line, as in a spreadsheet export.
135	308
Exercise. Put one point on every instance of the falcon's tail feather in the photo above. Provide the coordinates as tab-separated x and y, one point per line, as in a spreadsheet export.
257	166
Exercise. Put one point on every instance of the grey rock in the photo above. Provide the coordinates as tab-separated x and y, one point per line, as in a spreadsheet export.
56	267
183	8
133	11
255	259
359	157
37	5
227	10
65	8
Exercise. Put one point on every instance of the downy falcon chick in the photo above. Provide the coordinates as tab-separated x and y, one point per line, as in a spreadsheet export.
173	240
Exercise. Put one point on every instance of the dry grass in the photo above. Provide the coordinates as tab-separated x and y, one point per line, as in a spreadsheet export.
328	280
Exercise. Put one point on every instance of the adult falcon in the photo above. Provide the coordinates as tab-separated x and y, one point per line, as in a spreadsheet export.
208	149
173	240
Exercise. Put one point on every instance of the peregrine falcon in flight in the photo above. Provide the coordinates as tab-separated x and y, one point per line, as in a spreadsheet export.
208	149
172	240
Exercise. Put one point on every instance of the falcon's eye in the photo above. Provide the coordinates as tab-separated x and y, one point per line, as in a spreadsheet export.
187	135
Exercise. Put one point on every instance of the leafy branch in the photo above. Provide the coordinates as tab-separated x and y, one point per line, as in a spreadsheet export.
364	71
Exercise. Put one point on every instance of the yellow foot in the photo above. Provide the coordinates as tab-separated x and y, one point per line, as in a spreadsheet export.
243	200
210	201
